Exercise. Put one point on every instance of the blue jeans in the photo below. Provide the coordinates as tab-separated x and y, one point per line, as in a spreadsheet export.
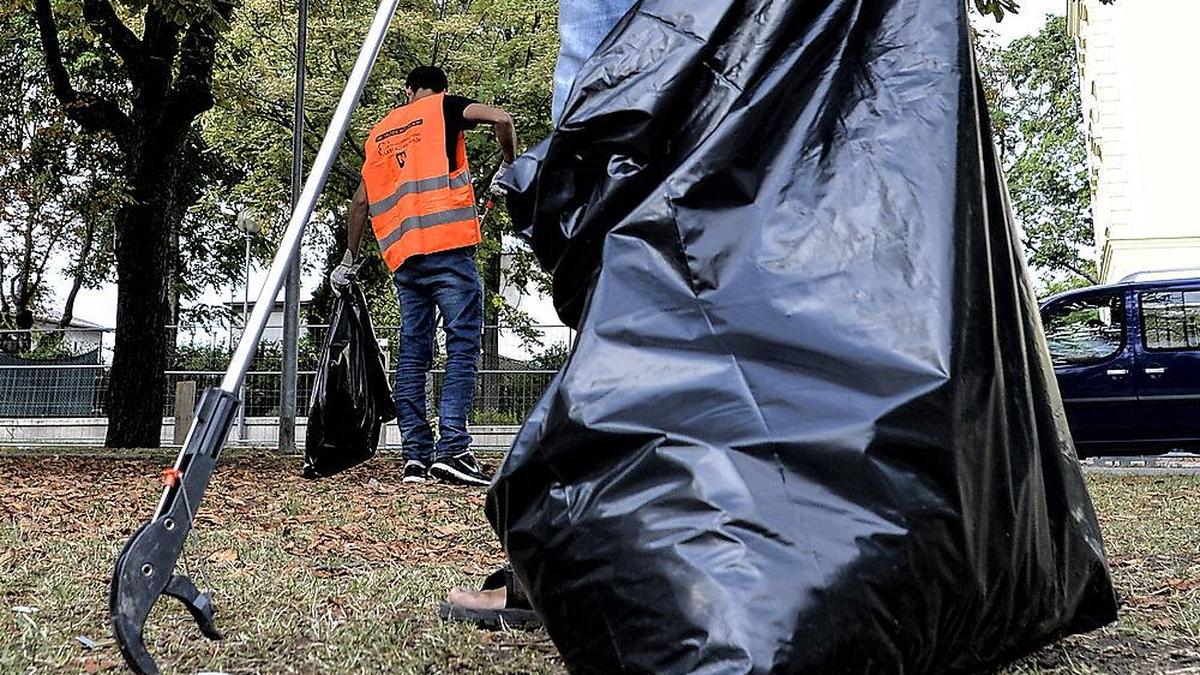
582	26
448	281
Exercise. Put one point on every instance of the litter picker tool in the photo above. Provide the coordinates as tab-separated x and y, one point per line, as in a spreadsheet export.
145	570
487	211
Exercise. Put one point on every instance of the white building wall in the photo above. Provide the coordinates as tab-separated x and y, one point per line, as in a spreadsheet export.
1135	60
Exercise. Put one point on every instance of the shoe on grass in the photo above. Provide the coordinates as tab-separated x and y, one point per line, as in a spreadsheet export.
499	605
415	471
461	469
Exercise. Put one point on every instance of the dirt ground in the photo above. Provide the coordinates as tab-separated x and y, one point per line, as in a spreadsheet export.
344	575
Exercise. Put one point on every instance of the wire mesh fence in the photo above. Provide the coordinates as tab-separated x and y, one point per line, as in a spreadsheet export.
60	390
56	373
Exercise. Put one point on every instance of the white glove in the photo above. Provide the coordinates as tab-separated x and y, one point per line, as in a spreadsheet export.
341	275
495	187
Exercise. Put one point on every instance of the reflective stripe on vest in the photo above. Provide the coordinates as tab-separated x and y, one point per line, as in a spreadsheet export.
429	220
413	186
430	237
417	206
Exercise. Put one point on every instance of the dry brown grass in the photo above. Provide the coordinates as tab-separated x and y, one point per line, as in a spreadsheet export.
344	575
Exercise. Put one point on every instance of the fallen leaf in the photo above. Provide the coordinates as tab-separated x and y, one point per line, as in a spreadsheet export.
449	530
1147	602
1183	584
224	555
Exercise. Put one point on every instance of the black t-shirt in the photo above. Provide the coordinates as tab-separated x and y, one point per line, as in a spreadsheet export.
452	109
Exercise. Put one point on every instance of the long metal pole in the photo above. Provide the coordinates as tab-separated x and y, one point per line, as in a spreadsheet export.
294	233
246	279
245	317
291	301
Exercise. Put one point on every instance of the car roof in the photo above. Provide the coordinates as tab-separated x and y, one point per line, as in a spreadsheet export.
1147	285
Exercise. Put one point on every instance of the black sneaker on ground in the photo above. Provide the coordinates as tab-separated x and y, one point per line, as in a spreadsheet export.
462	469
415	471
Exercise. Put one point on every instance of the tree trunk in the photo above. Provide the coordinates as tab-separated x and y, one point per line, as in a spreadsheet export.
6	316
168	93
174	272
85	251
23	298
137	386
190	183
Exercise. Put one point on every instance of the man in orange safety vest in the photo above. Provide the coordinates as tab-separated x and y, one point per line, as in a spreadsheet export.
416	189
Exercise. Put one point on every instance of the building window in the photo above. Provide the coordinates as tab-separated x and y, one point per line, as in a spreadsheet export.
1171	320
1086	330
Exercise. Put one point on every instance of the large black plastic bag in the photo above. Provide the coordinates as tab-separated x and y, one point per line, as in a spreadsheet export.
810	424
351	400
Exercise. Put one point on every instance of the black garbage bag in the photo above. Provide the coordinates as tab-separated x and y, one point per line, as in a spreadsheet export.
810	423
351	400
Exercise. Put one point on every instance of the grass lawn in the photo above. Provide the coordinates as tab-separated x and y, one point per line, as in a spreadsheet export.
344	575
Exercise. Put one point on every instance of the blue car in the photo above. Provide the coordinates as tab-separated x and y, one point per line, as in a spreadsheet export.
1127	357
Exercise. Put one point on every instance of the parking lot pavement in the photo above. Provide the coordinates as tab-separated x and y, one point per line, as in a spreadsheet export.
1172	463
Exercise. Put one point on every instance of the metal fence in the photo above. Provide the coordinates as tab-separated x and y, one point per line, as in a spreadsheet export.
65	373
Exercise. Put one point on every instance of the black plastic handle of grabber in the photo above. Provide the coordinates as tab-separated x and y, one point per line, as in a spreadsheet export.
146	567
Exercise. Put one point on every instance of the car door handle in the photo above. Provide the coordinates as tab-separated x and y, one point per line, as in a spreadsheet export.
1117	372
1154	372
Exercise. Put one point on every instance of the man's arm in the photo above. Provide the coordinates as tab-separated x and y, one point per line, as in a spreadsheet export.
502	124
359	209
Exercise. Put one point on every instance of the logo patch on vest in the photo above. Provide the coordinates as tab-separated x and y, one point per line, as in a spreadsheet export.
394	141
396	132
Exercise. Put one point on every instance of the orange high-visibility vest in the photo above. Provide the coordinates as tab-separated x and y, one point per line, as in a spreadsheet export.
417	206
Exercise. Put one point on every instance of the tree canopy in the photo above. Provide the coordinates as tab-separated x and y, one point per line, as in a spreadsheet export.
59	184
1037	124
135	130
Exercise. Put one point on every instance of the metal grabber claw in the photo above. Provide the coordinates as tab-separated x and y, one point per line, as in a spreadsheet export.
146	567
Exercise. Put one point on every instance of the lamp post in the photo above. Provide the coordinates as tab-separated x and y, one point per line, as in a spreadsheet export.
291	298
250	226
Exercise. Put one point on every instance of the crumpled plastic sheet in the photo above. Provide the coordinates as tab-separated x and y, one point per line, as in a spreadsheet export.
810	423
351	399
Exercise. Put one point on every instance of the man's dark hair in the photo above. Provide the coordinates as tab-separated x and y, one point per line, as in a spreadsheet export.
427	77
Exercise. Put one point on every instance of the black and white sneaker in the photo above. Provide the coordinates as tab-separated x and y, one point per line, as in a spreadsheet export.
415	471
462	469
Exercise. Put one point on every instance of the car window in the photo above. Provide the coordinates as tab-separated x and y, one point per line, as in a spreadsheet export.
1171	319
1085	330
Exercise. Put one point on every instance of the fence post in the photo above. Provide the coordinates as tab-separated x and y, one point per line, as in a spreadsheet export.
185	403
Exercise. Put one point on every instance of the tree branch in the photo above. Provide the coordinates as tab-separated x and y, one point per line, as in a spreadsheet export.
161	36
5	312
104	20
93	113
192	94
78	273
1083	273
